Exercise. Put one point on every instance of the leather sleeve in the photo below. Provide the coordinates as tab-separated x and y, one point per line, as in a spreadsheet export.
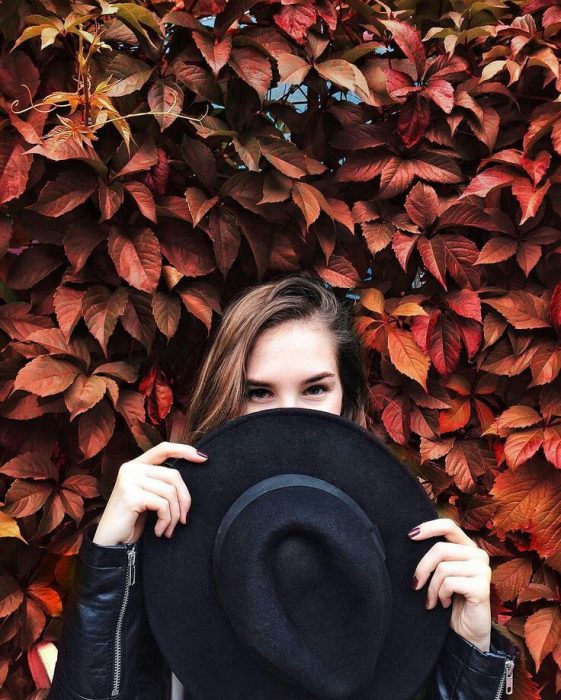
102	626
464	672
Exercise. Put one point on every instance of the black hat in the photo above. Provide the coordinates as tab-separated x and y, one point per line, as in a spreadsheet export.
292	577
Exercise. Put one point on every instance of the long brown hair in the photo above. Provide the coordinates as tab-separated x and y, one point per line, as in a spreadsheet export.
219	391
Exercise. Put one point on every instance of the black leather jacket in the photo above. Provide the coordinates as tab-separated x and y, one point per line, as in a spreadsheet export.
107	650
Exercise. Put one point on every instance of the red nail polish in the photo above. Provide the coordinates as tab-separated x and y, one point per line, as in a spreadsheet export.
415	583
414	531
202	454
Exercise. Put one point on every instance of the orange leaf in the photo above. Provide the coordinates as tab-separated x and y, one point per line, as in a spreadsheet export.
45	376
522	445
406	355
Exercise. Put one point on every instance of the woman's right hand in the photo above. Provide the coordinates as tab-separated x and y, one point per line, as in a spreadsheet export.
143	484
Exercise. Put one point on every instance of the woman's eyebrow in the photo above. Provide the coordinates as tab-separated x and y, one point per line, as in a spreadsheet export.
315	378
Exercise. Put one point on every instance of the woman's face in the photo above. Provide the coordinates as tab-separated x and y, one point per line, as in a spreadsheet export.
293	365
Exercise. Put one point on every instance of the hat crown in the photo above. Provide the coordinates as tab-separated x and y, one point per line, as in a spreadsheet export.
309	594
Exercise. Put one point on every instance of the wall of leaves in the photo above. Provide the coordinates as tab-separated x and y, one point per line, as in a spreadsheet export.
156	157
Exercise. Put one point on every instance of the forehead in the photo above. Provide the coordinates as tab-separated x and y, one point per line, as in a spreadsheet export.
309	344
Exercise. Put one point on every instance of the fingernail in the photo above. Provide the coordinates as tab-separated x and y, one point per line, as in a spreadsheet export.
427	602
201	454
414	531
415	583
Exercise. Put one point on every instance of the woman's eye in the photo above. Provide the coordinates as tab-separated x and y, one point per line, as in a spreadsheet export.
250	393
318	386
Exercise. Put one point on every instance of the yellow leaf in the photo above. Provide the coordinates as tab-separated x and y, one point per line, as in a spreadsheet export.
409	308
373	300
9	527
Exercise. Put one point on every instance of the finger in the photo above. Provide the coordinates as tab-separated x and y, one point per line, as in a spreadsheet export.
445	551
172	476
165	450
445	527
161	506
468	586
168	492
445	569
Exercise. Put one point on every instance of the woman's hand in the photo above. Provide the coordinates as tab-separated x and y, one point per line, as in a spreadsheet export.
143	484
460	567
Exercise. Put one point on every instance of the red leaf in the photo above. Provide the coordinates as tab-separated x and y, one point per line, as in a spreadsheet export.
143	198
14	167
467	461
522	310
413	120
433	253
253	68
409	41
555	308
396	420
284	156
295	19
529	197
339	273
552	445
466	303
216	53
496	250
471	333
455	417
378	236
421	204
444	348
487	181
442	93
461	254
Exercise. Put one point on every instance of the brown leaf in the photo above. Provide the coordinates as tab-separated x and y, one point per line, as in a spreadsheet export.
69	189
45	376
102	309
95	428
137	257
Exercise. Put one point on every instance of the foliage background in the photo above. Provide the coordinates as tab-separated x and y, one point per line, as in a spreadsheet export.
407	154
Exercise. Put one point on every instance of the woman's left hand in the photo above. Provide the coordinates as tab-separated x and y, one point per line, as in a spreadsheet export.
460	567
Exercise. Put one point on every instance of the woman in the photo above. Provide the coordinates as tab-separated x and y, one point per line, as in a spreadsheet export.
288	342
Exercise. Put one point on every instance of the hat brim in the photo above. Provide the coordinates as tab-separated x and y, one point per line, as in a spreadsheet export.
181	600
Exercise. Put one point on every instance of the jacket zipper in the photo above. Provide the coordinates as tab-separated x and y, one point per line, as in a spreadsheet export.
130	578
507	676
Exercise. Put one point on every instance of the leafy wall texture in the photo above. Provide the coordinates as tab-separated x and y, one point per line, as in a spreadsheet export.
156	157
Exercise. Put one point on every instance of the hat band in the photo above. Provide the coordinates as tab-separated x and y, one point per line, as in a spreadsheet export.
283	481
